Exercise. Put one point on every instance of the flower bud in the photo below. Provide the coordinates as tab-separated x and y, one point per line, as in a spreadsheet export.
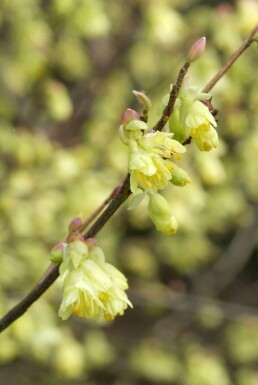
179	176
129	115
74	236
91	242
196	50
75	224
79	247
57	253
161	214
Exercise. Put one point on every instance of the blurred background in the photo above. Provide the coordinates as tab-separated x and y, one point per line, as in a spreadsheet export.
67	68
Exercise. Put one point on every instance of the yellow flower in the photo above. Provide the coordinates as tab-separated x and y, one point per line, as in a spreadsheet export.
148	172
73	255
92	288
148	164
205	136
161	143
192	118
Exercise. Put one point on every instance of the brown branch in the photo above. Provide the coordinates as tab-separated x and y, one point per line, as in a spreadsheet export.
97	212
119	195
114	205
248	41
172	99
53	271
18	310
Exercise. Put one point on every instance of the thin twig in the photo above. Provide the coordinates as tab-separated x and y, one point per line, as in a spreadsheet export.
172	99
248	41
97	212
124	192
18	310
53	271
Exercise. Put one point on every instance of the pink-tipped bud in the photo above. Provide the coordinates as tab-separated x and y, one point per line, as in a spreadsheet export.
129	115
74	237
91	242
196	50
75	224
57	253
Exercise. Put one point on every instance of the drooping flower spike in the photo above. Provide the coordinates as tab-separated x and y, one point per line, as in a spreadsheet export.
192	118
148	157
92	288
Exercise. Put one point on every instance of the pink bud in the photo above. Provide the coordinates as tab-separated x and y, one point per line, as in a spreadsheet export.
59	246
91	242
129	115
196	50
75	224
74	236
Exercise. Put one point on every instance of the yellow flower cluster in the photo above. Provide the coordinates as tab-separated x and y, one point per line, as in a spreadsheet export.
149	159
191	117
151	152
92	288
151	167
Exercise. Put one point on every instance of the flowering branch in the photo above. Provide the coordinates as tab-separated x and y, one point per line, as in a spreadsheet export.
53	270
119	194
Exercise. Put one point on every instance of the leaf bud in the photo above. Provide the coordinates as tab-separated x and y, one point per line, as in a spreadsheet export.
143	99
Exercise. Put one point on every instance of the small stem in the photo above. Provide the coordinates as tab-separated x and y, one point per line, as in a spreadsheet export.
119	195
187	141
248	41
172	99
124	192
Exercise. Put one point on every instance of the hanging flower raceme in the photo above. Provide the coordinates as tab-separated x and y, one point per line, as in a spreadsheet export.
92	288
191	117
149	156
